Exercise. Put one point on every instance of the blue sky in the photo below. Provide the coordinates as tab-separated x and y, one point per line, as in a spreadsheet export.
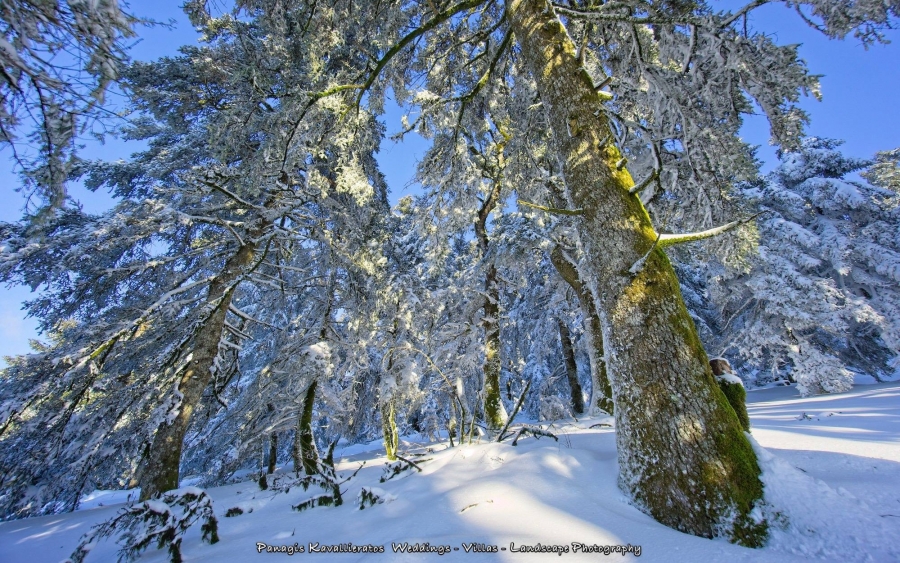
860	105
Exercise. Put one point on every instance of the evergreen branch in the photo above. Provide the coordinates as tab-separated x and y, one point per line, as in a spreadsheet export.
484	78
409	347
551	209
230	195
598	14
410	37
669	240
309	104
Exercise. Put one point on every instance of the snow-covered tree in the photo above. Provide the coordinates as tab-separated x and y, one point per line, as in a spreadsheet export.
150	291
279	127
58	60
885	171
821	301
679	75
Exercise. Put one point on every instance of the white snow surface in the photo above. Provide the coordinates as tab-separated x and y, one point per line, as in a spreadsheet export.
831	465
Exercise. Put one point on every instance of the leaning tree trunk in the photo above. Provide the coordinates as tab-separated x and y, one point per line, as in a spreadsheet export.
601	391
571	367
305	453
159	471
683	456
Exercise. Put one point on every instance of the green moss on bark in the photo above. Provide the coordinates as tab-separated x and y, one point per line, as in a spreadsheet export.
728	483
308	453
389	430
494	413
737	398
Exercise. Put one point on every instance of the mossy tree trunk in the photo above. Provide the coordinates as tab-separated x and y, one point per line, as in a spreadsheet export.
159	469
389	430
601	391
683	456
494	412
733	387
305	453
571	367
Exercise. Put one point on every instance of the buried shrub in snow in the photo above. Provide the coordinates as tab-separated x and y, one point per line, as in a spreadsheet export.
326	479
163	520
370	496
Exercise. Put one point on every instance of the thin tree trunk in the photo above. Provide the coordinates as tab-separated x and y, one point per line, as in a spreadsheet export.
601	391
305	453
571	367
494	412
683	456
159	471
389	430
273	452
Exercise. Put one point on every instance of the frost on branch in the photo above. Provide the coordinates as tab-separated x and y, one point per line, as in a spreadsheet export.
162	521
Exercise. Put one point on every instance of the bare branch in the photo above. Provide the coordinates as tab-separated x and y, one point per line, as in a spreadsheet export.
636	268
744	11
640	187
515	411
669	240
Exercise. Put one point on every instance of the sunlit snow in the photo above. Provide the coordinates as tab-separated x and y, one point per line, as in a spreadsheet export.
831	465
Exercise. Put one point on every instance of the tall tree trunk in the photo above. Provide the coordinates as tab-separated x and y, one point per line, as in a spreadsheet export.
601	391
159	471
389	430
571	367
305	453
494	413
683	456
273	452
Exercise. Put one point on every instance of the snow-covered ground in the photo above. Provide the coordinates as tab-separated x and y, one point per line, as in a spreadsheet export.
831	467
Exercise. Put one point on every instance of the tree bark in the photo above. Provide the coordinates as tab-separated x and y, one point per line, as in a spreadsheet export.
159	471
305	453
571	367
601	391
683	457
389	430
494	413
273	453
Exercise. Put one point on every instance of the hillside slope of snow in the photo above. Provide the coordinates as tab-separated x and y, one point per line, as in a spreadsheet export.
831	467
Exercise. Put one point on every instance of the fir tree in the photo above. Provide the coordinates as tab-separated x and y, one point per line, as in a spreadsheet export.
821	300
